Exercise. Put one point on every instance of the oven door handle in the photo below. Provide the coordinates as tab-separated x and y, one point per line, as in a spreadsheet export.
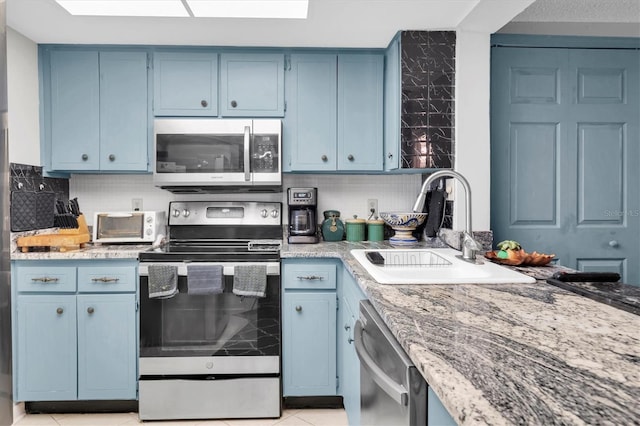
273	268
247	154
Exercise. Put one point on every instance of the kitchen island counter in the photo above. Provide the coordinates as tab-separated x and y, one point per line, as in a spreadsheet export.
509	353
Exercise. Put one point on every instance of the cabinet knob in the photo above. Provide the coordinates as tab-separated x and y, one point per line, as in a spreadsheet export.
614	243
59	311
85	157
298	308
324	158
350	157
350	340
390	155
204	103
90	310
112	157
347	327
234	104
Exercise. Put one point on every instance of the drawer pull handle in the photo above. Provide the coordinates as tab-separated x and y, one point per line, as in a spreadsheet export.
298	308
46	279
311	278
59	311
105	280
90	310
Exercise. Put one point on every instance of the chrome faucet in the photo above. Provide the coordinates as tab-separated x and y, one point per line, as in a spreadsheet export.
469	245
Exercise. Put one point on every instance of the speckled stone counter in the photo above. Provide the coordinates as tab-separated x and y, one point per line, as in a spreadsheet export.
510	353
90	251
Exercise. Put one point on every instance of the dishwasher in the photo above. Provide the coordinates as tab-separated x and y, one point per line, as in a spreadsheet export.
392	390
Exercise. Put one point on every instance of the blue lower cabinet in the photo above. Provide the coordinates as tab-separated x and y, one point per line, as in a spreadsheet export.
69	344
106	346
46	348
349	366
309	328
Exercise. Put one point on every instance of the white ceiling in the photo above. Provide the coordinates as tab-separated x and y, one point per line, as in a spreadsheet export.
331	23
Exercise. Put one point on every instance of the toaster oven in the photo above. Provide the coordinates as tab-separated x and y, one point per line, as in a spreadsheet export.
129	227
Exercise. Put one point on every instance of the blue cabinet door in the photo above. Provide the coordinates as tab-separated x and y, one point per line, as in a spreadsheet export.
349	373
106	346
74	110
252	85
360	115
124	120
309	343
97	114
46	337
310	125
185	84
392	105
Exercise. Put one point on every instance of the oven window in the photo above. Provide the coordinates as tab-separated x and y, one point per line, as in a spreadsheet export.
127	225
210	325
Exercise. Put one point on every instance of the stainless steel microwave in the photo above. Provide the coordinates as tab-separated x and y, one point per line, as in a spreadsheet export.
210	155
129	227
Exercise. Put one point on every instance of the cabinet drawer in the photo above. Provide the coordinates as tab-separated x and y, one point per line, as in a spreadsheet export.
309	276
106	279
58	279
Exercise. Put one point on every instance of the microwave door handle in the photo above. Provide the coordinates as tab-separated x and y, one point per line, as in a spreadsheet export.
247	154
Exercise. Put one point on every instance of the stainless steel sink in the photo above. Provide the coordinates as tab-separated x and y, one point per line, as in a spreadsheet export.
434	266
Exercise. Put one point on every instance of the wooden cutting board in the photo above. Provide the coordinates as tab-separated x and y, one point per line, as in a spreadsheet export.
62	240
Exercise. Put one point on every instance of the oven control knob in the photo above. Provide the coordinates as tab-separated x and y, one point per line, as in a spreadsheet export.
209	365
274	213
264	213
185	213
149	231
176	213
149	219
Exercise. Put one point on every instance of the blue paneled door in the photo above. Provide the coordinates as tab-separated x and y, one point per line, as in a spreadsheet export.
565	154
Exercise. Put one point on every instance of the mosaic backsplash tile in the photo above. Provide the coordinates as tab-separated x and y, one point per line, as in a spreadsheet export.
428	98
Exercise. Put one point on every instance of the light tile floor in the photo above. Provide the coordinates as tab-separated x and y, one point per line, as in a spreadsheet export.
290	417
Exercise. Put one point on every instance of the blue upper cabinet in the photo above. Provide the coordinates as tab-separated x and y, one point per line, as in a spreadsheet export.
185	84
360	101
95	110
124	118
75	111
310	125
252	84
334	112
392	106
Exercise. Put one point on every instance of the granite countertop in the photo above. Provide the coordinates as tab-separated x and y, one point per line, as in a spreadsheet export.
89	251
509	353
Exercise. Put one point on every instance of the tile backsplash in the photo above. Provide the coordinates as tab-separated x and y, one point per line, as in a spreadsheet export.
428	82
346	193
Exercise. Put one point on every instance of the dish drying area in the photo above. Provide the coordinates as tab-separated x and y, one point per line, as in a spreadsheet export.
432	266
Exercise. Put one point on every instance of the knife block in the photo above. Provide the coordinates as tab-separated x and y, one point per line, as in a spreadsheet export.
63	240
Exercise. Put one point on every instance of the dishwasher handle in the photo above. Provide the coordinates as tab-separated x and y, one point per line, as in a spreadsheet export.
395	390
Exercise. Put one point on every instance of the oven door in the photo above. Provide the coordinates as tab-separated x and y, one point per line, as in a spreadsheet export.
210	334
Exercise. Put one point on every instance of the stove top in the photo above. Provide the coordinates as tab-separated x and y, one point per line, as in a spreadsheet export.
221	232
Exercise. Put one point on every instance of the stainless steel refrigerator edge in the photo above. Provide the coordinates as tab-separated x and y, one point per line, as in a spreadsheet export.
6	395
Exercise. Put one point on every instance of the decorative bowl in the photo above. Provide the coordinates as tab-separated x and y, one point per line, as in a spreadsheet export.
403	224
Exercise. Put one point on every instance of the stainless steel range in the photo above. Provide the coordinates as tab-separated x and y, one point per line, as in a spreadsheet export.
212	350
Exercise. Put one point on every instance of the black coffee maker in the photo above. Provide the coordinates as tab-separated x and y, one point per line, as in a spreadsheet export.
303	217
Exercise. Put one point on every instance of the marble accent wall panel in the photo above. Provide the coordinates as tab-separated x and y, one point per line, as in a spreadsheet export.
33	197
428	83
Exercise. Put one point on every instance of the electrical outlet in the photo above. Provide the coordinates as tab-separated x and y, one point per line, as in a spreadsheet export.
372	207
136	204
